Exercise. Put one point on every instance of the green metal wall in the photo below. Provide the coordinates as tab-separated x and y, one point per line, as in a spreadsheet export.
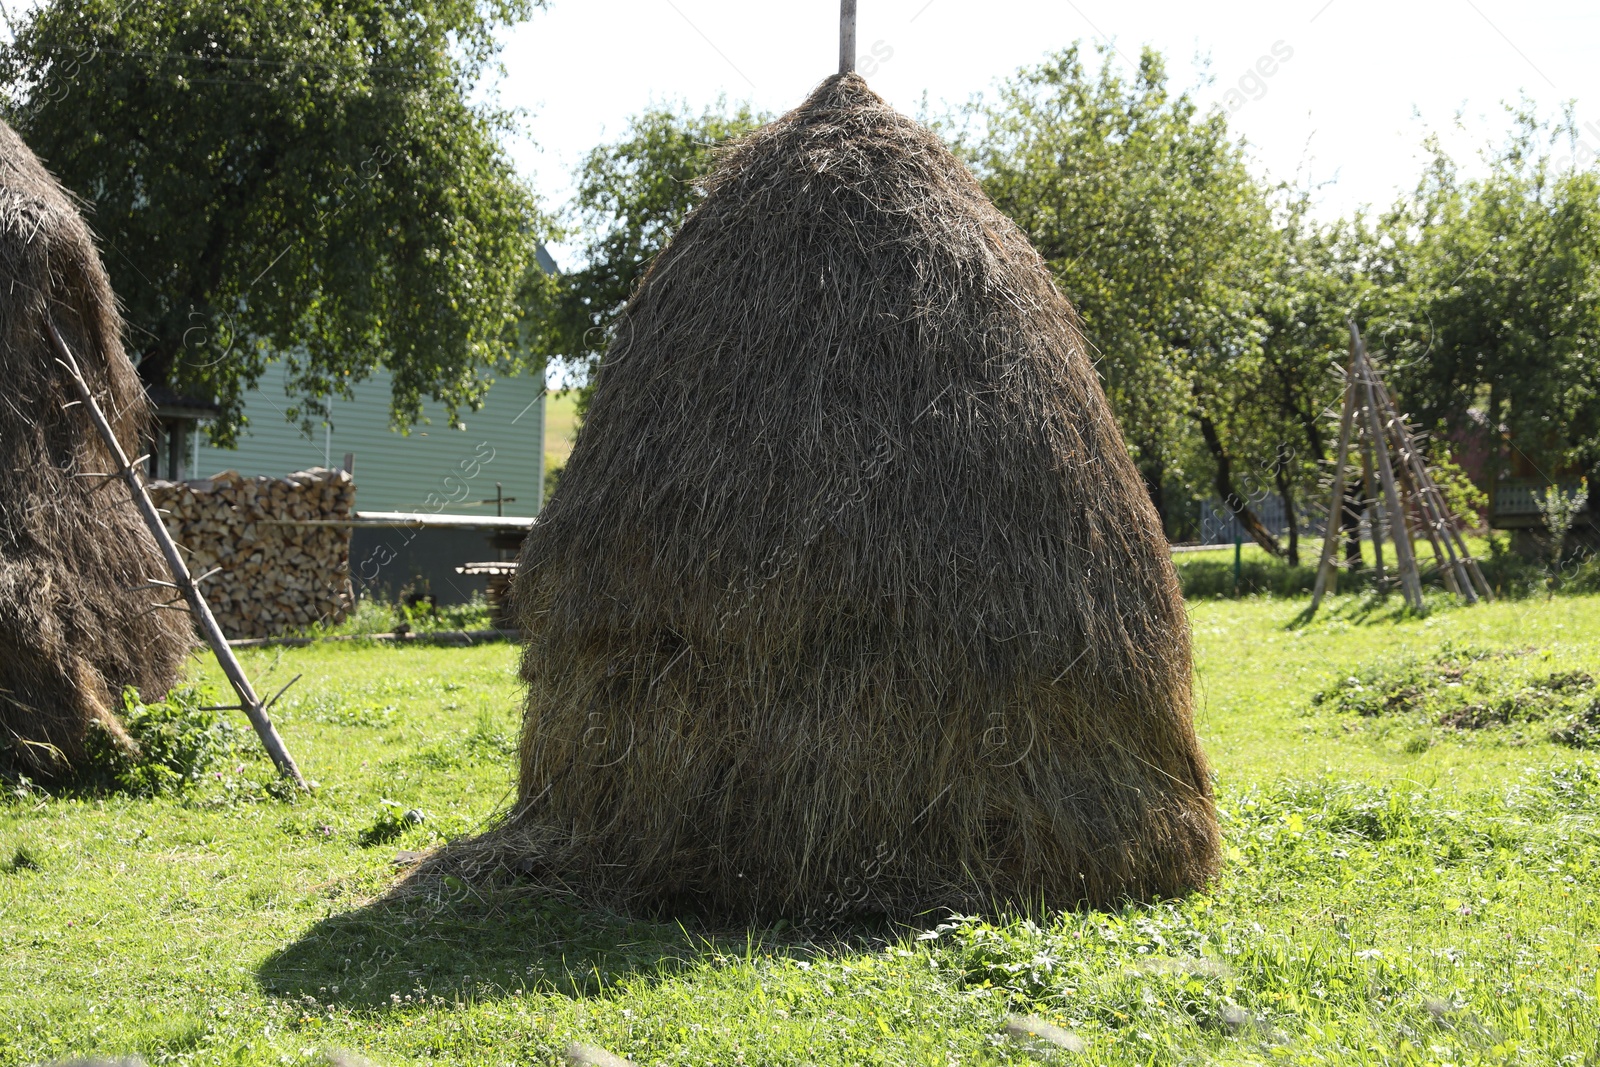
433	469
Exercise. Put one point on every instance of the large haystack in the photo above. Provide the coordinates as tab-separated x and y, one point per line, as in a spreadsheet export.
73	630
850	600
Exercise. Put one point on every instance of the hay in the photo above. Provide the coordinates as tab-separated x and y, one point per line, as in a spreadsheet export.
850	600
73	631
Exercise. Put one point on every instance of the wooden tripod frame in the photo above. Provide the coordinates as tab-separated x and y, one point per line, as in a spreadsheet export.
1412	503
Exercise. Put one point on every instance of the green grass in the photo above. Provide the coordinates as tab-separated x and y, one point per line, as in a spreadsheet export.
1395	890
560	426
1209	573
373	616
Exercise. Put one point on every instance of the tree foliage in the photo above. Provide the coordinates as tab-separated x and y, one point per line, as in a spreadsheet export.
1489	291
1215	303
304	179
1151	222
630	197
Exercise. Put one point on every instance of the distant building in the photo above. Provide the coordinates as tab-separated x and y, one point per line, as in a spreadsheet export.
494	465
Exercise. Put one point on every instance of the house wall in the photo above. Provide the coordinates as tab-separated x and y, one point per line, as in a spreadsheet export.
433	469
388	562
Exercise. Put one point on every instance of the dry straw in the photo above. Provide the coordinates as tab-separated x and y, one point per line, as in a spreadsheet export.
75	627
850	600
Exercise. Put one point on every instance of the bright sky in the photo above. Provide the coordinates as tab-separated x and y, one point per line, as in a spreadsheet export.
1350	89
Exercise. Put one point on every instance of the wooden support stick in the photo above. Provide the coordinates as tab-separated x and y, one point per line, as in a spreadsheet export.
1370	496
1330	540
1431	501
1470	575
180	573
847	36
1411	497
1405	558
1467	558
1398	439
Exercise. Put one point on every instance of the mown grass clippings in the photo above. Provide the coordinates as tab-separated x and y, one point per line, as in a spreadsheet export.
1582	730
1503	692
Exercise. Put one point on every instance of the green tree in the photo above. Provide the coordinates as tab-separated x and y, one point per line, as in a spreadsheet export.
1147	215
1281	409
304	179
1487	290
631	196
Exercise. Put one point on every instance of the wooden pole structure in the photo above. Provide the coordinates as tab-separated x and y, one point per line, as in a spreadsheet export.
1414	475
847	36
1469	574
1398	438
1411	497
1468	562
1405	558
249	703
1371	424
1330	539
1370	495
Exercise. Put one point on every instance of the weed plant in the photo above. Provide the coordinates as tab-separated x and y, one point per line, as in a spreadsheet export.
178	738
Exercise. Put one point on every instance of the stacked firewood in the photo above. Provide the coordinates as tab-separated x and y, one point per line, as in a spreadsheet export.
279	564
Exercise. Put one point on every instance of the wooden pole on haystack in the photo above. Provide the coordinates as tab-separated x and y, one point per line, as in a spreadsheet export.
249	702
847	36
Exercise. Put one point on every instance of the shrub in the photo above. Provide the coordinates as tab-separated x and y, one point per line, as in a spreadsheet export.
178	738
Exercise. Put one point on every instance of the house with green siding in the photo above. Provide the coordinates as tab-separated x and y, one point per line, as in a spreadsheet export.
493	464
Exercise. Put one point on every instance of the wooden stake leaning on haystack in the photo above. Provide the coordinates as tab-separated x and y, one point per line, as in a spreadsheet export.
1371	424
249	702
77	628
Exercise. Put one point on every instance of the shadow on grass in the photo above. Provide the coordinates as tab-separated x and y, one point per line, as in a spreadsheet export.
1373	608
461	945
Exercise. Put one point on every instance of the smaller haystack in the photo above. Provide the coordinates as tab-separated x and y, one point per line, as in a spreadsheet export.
74	626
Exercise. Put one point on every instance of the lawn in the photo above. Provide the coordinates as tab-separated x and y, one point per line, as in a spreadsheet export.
1411	877
560	426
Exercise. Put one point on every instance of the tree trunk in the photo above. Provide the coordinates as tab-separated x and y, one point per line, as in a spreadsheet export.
156	362
1155	476
1229	492
1286	491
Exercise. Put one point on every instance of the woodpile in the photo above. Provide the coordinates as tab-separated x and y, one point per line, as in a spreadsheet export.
497	575
280	553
